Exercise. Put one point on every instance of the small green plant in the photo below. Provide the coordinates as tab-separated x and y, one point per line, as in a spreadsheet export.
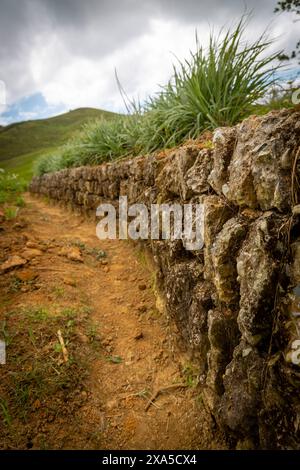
86	309
114	359
20	202
69	312
92	332
79	244
143	393
58	291
70	324
11	187
31	336
37	314
96	252
3	197
199	400
191	376
57	348
99	254
5	333
10	213
5	412
15	284
22	391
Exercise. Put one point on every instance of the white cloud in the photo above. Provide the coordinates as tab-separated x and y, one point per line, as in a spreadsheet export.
69	55
142	64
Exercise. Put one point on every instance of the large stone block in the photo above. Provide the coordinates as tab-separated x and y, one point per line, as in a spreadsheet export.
223	253
241	400
172	179
257	266
216	212
260	170
224	140
196	178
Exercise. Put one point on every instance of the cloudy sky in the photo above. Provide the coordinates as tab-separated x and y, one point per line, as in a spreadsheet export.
57	55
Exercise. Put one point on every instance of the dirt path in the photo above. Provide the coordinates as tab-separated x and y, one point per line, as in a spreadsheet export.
100	295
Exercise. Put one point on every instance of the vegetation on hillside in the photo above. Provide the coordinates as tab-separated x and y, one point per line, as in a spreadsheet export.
24	142
213	87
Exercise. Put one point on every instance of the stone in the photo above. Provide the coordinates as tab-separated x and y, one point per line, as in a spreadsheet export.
19	225
26	275
197	325
295	268
138	335
261	166
171	180
142	286
12	262
75	254
83	338
32	244
72	253
239	404
181	279
196	178
223	254
222	336
257	268
224	140
216	213
142	308
30	253
69	281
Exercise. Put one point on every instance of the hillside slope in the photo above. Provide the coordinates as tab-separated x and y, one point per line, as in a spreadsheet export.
23	142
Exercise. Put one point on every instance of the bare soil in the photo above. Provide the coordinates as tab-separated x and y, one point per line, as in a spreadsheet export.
121	351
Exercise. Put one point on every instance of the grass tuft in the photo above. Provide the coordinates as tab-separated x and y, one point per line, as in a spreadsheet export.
11	187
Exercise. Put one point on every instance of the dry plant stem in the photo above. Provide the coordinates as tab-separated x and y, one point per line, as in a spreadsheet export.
63	347
294	180
162	390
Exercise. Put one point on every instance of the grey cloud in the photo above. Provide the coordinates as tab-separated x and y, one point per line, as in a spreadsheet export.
96	28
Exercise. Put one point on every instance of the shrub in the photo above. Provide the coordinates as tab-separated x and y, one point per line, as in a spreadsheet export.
11	183
212	88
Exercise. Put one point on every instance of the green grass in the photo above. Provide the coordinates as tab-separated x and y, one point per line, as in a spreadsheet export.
21	144
214	87
36	371
5	412
279	97
98	141
10	213
190	375
114	359
11	188
211	88
23	165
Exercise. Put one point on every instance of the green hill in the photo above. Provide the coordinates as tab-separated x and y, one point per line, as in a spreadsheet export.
23	142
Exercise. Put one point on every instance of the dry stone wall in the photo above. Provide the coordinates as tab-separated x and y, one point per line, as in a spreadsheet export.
236	302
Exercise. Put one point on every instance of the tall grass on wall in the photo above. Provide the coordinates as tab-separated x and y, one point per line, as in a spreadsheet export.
213	87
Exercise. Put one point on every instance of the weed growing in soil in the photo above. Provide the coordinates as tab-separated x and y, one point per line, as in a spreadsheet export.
11	187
